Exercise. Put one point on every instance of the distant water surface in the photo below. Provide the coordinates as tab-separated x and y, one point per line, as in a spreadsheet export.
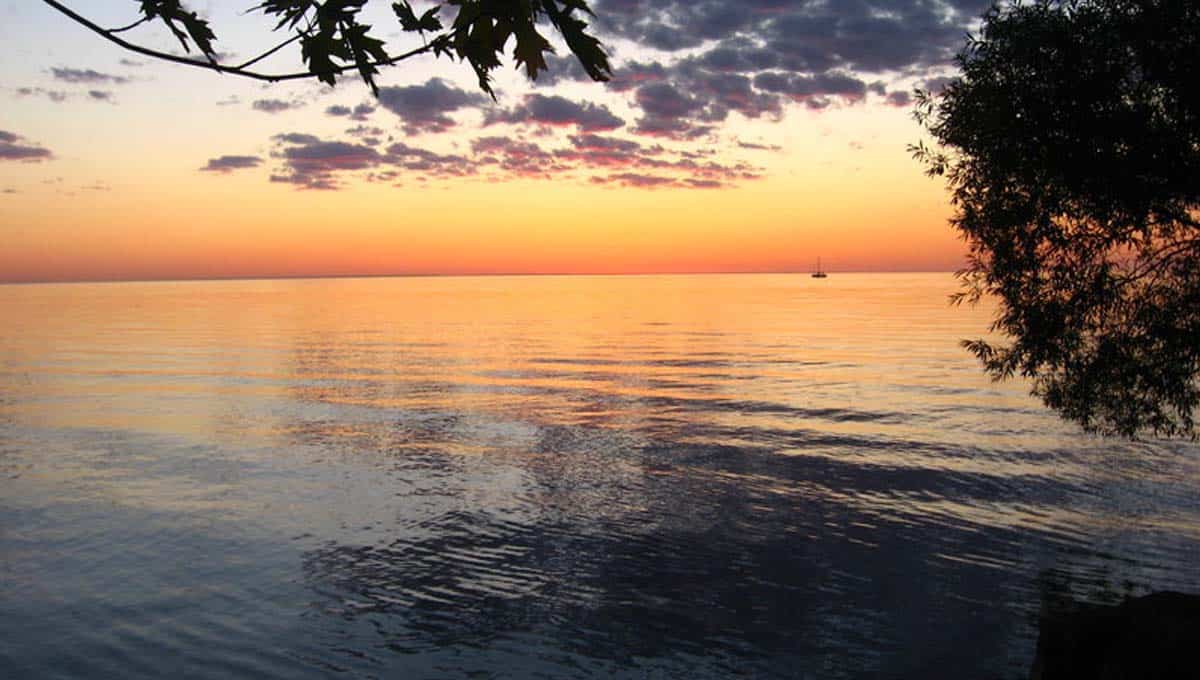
553	477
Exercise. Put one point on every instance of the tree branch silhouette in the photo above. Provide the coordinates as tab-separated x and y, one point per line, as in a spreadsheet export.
334	42
239	70
1071	146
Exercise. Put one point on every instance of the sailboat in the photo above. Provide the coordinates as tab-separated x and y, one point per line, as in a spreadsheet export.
820	273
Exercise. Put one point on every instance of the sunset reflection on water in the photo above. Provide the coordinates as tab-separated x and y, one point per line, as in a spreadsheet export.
567	476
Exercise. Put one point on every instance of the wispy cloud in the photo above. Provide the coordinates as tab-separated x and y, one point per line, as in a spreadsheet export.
56	96
87	76
226	164
273	106
13	147
360	112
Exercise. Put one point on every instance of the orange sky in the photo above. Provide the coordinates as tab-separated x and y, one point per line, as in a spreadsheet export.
112	188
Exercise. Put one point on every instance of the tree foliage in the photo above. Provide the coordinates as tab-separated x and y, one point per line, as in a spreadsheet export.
333	40
1071	145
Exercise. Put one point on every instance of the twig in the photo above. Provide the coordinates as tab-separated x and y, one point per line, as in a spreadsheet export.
233	70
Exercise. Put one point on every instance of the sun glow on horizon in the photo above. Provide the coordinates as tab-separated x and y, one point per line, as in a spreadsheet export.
173	174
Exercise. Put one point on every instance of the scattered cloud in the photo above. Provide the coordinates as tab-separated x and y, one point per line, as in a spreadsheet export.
360	112
634	179
13	147
557	111
101	95
756	57
56	96
310	162
368	134
295	138
86	76
226	164
426	108
753	146
274	106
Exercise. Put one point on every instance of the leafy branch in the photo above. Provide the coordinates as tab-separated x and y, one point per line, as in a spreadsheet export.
334	41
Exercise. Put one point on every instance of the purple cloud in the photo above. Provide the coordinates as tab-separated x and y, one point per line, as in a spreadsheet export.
56	96
359	112
312	163
13	147
272	106
425	108
226	164
557	111
75	75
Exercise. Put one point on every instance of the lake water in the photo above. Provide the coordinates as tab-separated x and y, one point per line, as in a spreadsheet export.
556	477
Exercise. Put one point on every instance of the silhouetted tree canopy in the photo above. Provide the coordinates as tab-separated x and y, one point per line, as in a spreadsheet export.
333	40
1071	145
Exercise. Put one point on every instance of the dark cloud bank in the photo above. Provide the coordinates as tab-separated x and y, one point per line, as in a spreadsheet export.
755	57
702	62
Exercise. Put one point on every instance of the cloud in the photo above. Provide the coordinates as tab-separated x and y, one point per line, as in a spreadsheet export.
820	86
759	147
559	69
557	111
715	58
75	75
669	112
631	74
359	112
416	160
273	106
226	164
101	95
13	147
425	108
899	98
56	96
634	179
312	163
936	84
295	138
798	35
516	159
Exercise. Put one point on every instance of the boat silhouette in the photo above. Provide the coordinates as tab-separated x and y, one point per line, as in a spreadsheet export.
819	273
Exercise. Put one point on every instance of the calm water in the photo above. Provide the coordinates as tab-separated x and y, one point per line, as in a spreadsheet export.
683	476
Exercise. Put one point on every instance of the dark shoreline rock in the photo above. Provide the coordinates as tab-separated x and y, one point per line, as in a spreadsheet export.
1153	637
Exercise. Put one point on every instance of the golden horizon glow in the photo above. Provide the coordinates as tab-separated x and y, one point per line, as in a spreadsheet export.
123	198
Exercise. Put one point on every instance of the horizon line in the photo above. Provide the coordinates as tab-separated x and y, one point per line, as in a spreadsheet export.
432	275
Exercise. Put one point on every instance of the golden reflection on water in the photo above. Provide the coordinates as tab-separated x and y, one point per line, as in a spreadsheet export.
861	366
643	464
854	342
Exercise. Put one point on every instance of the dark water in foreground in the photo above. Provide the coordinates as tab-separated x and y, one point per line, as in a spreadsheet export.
675	477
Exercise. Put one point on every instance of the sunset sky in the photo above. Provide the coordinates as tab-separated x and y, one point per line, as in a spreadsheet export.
736	135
